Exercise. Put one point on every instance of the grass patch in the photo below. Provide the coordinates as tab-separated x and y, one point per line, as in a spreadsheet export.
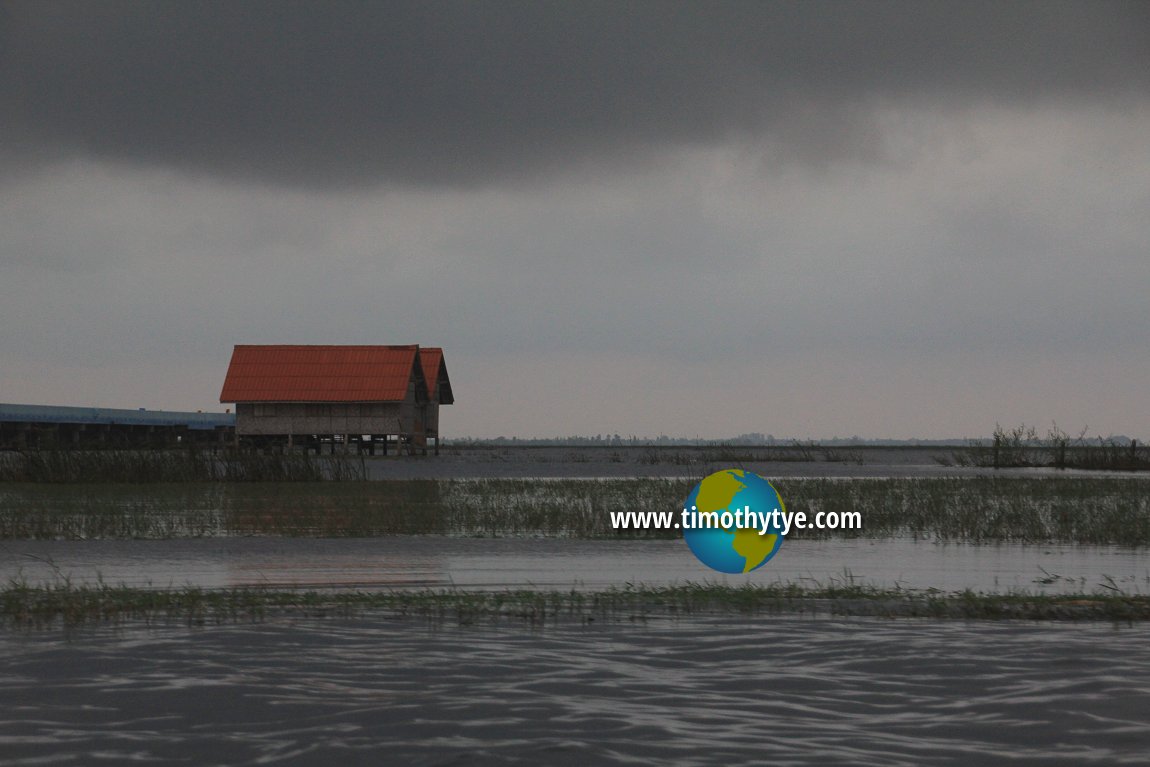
65	605
1021	446
981	509
164	466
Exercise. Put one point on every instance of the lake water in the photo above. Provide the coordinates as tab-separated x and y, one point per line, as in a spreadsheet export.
495	563
704	691
773	689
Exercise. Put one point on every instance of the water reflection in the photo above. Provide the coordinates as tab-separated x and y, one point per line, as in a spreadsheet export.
433	561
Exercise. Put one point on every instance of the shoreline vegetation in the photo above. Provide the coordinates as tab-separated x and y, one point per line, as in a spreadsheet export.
121	466
164	466
1022	447
1015	448
22	606
81	495
1097	510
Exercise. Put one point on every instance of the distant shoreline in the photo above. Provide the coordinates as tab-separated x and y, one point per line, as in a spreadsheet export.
487	461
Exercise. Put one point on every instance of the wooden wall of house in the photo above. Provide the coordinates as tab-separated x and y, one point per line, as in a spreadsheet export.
327	418
431	422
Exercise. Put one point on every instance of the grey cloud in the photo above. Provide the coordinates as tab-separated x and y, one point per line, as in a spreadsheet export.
352	94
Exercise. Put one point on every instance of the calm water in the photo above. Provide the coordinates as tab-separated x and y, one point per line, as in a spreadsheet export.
699	692
516	562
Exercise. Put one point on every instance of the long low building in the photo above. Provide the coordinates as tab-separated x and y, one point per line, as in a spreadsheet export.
46	426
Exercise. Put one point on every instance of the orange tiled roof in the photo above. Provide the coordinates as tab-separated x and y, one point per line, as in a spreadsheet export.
321	373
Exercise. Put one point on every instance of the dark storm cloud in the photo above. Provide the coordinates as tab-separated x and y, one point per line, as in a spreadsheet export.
459	92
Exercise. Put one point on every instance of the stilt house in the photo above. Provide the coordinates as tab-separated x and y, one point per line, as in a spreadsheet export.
364	396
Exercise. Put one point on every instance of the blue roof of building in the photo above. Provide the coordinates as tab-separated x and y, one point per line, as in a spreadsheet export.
106	415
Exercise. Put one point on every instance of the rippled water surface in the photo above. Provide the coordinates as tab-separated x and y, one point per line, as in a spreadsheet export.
703	691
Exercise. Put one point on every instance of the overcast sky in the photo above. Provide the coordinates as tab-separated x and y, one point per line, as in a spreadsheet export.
806	219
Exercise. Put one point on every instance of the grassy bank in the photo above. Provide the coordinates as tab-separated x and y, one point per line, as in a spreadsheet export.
981	509
22	606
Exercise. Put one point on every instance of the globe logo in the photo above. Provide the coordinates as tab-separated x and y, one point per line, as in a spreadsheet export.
729	521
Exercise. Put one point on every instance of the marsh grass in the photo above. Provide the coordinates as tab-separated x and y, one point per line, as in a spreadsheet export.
576	508
81	512
982	509
67	605
1105	510
189	510
1021	446
163	466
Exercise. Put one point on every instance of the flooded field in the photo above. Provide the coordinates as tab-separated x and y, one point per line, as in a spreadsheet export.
632	687
1093	509
695	692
